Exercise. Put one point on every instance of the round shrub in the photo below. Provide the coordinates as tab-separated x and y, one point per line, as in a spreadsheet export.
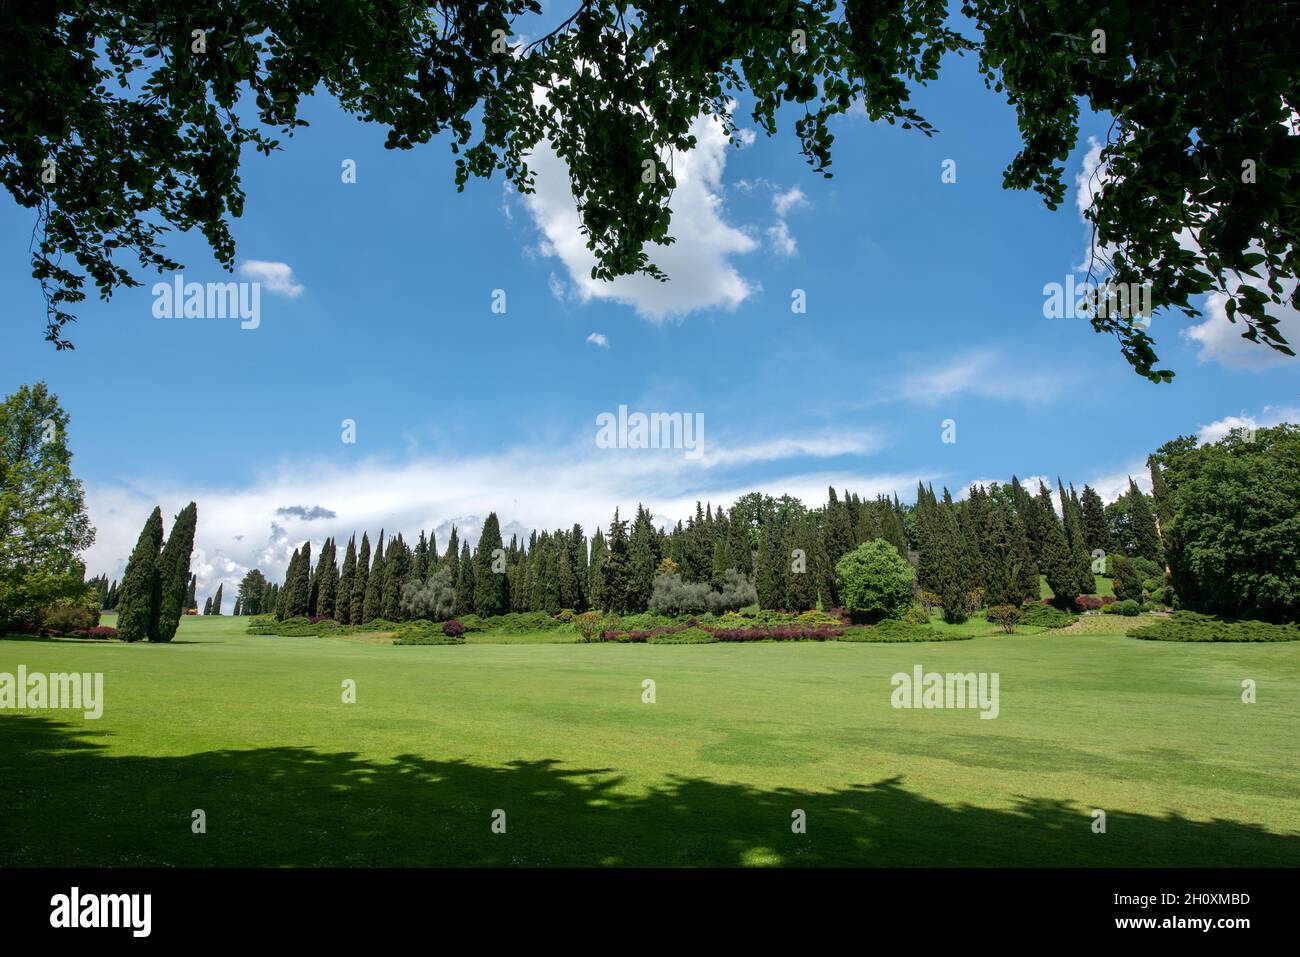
916	615
1006	616
1128	608
875	581
590	624
453	628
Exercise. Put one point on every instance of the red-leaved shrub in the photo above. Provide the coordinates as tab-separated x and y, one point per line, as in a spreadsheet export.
453	628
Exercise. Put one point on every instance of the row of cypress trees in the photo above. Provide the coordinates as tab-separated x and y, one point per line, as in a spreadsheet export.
988	549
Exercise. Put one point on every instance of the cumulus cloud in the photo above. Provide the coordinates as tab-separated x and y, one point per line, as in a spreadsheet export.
1219	340
699	264
598	339
275	277
245	527
1272	415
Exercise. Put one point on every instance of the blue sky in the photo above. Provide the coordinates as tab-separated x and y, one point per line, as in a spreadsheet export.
924	303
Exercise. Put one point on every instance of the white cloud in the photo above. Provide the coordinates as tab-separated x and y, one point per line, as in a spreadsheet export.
1272	415
1220	340
699	264
791	198
780	240
275	277
598	338
982	373
1112	485
243	527
556	285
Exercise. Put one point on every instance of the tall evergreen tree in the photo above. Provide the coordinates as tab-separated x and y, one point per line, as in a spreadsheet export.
216	601
642	561
1072	511
360	580
799	585
138	604
207	609
464	581
1142	525
596	571
1095	530
298	588
397	567
769	580
490	589
1058	563
343	603
174	572
616	570
328	576
374	601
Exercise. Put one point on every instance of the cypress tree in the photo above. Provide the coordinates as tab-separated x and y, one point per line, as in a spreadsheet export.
1096	532
282	594
452	558
798	579
360	580
617	566
343	602
237	612
112	596
298	588
1058	561
216	601
489	578
328	573
397	566
642	561
768	563
464	582
174	572
1142	525
1074	536
138	603
207	608
596	571
375	584
578	563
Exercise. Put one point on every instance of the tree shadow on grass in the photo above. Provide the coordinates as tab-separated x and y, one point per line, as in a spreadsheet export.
68	802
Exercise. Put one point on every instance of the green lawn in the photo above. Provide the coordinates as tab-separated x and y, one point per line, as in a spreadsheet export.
253	731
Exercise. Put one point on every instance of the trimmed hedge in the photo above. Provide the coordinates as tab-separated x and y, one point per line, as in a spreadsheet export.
426	633
1042	615
892	630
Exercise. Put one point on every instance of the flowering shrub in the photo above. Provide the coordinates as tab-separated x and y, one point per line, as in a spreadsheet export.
453	628
792	632
99	631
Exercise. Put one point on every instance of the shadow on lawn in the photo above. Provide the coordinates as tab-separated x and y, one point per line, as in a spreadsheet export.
69	803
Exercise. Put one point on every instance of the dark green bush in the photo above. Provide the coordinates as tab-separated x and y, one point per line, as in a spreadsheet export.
424	633
1006	616
1039	615
690	636
892	629
1189	626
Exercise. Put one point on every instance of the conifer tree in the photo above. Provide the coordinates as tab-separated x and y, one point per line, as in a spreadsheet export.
769	581
464	581
174	572
360	580
237	612
328	575
490	587
397	565
298	588
375	583
1072	512
642	561
282	594
207	609
616	571
797	572
1058	563
578	565
216	601
1142	525
138	603
596	571
343	603
1096	532
192	599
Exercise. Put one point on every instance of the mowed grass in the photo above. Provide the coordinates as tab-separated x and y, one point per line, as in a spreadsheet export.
253	731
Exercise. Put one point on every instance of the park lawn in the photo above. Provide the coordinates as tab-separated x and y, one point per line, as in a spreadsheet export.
253	731
1102	587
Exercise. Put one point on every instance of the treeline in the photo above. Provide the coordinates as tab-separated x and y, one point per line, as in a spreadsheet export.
988	549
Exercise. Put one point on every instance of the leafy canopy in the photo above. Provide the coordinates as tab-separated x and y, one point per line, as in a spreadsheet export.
145	108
